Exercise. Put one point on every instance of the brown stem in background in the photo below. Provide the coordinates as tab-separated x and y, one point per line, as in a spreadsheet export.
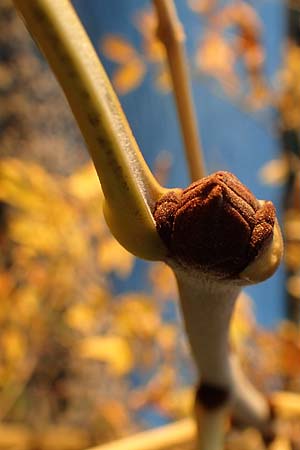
168	437
183	433
171	34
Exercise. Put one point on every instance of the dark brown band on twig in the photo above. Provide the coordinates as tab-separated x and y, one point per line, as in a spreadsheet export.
216	224
211	397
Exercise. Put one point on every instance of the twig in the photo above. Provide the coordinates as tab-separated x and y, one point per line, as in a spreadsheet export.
212	426
177	434
183	432
171	33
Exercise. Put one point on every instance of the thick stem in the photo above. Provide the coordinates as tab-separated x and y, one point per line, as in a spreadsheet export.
211	428
207	310
207	307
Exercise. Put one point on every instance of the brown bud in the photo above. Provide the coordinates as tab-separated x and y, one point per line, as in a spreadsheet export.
216	224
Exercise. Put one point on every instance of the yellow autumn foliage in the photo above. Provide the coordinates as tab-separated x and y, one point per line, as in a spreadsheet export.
133	64
274	171
281	443
166	337
181	402
81	317
84	184
243	321
112	257
131	70
60	253
13	344
118	49
129	76
163	281
137	316
112	350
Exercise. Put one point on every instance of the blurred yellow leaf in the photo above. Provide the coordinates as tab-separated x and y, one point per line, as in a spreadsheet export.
81	317
243	321
115	413
155	51
293	286
26	185
112	257
166	337
288	342
26	304
52	233
286	405
117	49
274	171
129	76
216	58
137	306
146	22
85	184
6	284
202	6
163	79
13	344
288	103
288	331
163	281
280	443
112	350
292	224
97	297
179	402
291	255
38	236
